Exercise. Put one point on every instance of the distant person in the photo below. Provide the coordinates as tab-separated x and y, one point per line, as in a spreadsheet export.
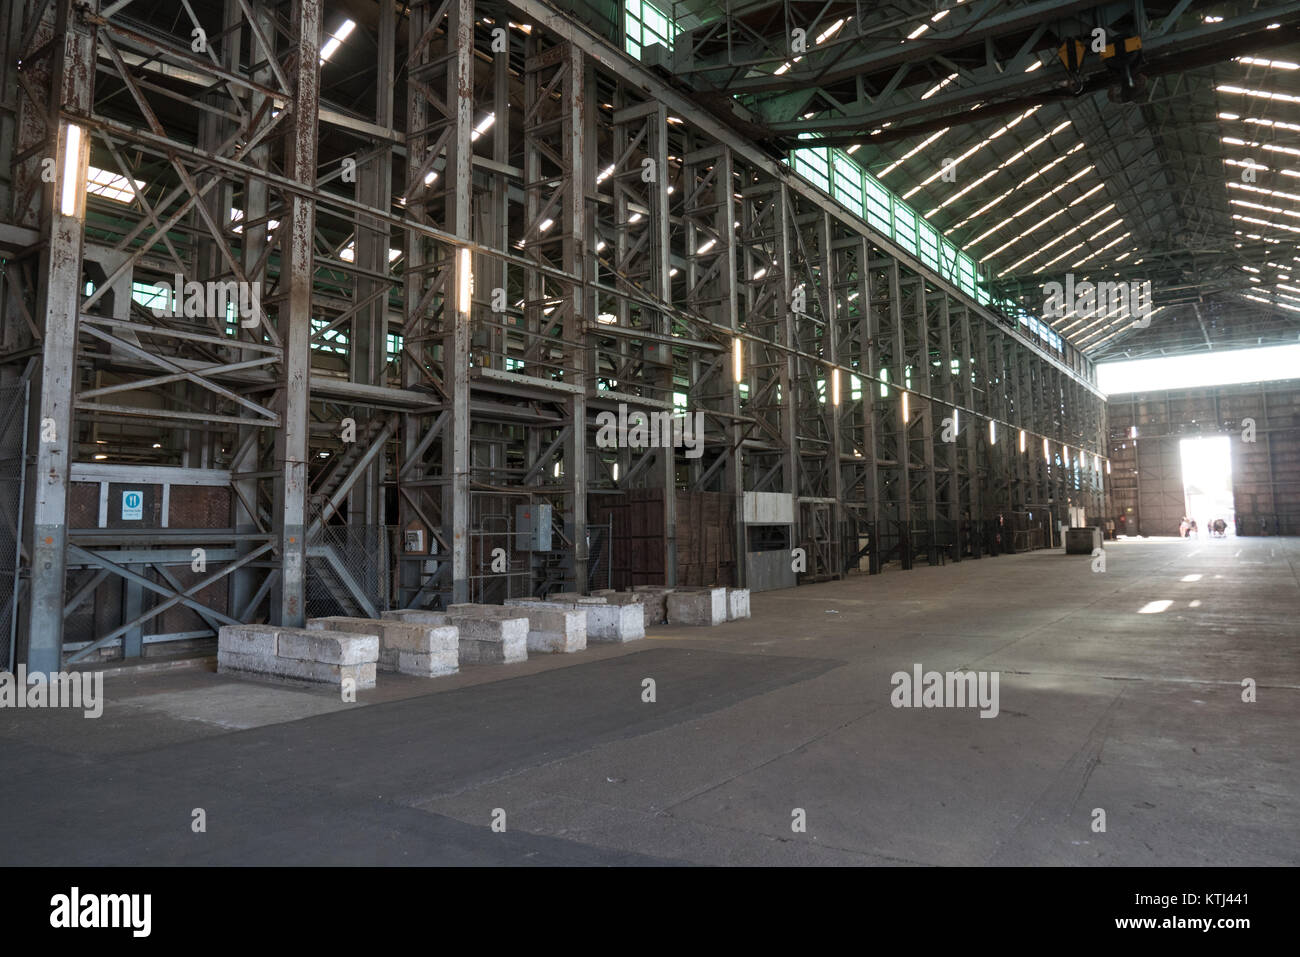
1193	530
1184	527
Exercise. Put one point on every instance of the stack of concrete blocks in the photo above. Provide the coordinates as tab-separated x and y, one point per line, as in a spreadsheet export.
484	638
654	600
605	622
298	654
411	648
552	628
697	606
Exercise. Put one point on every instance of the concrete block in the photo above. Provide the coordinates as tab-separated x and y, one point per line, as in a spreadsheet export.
556	642
737	603
494	638
229	662
492	629
393	661
328	647
616	622
247	639
645	601
553	627
238	661
576	597
417	616
531	606
428	665
354	626
557	630
395	635
282	668
363	675
624	598
607	622
478	610
493	652
655	599
708	606
421	639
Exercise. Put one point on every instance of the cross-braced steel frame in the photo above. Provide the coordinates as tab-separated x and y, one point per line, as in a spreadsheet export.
495	228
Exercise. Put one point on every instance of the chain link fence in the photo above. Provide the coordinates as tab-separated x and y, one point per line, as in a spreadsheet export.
600	571
13	446
349	570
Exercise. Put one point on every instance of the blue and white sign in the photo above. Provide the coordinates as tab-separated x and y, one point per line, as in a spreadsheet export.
132	506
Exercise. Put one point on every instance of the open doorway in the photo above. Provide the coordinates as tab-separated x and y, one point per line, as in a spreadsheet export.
1207	483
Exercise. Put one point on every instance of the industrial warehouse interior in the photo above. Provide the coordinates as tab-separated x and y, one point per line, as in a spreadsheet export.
628	433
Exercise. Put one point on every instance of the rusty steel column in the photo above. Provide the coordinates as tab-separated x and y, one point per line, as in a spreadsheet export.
455	366
71	90
295	326
575	253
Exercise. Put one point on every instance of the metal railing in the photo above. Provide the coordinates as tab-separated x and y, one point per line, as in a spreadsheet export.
349	570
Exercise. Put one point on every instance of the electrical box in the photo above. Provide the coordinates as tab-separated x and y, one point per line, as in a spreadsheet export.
533	528
415	540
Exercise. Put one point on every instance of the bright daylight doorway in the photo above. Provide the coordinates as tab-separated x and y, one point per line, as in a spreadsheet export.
1207	482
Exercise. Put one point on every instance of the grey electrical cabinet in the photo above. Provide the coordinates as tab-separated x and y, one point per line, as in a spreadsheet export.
533	528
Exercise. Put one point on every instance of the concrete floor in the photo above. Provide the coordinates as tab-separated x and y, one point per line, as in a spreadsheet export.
1102	706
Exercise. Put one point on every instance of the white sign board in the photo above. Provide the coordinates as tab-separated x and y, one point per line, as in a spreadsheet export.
132	506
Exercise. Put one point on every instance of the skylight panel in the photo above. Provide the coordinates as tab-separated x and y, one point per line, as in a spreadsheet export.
100	182
335	40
